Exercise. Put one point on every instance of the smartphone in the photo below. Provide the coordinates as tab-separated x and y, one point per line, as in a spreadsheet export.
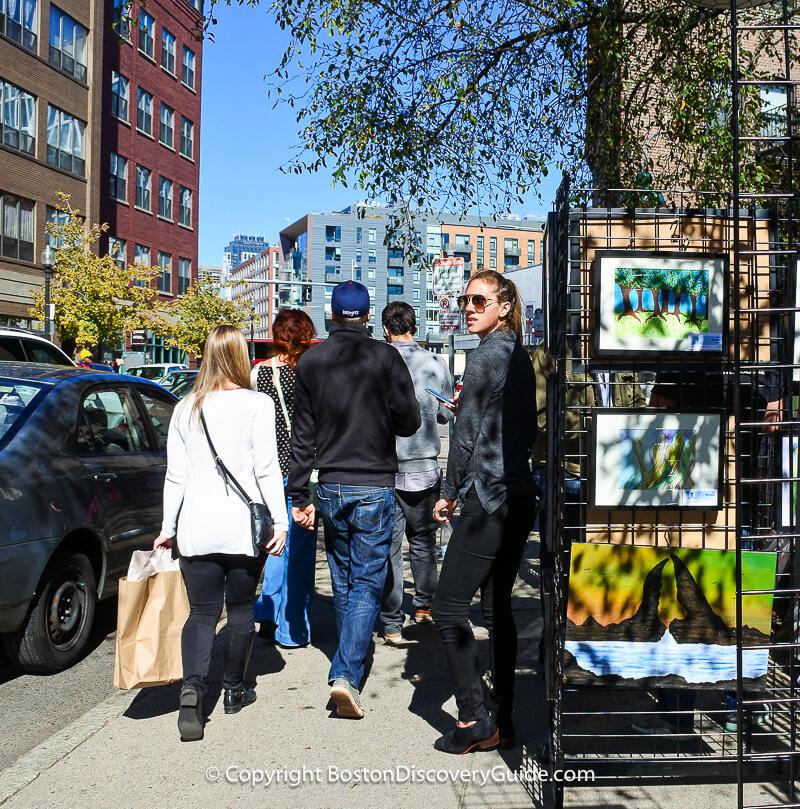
439	396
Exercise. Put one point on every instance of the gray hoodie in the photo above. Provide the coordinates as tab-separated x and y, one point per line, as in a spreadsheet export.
419	452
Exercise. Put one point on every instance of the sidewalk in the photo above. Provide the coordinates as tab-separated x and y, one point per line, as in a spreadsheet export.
136	759
126	752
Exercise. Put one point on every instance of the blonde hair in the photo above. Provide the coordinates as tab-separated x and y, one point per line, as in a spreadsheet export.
224	360
506	291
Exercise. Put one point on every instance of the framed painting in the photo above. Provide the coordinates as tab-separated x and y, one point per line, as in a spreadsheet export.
665	617
656	459
790	455
670	304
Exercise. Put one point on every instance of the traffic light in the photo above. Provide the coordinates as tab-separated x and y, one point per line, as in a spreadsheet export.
307	293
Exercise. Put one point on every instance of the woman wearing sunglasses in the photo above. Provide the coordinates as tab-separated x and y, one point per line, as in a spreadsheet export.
488	470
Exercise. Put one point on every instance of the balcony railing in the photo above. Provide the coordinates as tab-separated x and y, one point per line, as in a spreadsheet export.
512	251
458	249
394	261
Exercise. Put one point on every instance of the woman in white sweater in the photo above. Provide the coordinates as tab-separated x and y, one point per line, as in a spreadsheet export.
211	520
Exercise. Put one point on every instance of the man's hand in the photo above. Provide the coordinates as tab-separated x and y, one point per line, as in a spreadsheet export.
304	516
277	544
444	509
773	413
163	542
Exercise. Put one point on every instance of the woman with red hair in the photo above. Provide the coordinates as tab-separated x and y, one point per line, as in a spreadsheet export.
282	607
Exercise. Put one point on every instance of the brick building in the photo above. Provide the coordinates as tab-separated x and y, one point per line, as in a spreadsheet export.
49	132
150	143
112	121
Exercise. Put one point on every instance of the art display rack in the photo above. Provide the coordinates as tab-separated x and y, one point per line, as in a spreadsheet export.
591	727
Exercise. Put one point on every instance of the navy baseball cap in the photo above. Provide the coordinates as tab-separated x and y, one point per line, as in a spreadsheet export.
350	299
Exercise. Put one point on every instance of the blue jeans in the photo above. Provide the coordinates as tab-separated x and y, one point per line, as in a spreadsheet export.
358	524
288	584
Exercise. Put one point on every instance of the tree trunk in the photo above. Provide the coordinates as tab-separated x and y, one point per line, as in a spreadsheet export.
657	306
693	317
677	310
626	301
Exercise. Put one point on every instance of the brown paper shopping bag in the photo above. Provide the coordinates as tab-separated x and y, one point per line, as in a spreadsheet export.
150	619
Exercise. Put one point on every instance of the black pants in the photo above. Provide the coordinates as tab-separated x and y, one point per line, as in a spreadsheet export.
210	579
484	553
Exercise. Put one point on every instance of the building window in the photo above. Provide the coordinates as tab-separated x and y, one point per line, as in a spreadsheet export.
53	218
119	178
119	96
371	273
372	258
168	51
68	49
116	249
184	275
359	235
141	256
16	227
415	294
65	141
371	235
333	254
333	233
18	119
493	245
492	263
461	239
185	207
167	132
143	188
510	244
165	279
187	75
480	244
122	22
187	138
394	289
18	21
146	34
165	198
479	261
144	112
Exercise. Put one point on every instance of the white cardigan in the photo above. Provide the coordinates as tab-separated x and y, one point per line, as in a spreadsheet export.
210	517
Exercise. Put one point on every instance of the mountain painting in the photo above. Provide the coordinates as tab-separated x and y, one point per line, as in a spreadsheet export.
647	617
660	303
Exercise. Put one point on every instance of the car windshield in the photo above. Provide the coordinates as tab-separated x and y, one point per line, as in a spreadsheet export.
17	401
184	387
148	371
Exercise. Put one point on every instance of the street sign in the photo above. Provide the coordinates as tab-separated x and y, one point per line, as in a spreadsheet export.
448	276
138	337
449	315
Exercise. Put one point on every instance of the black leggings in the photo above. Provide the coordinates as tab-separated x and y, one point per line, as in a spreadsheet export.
484	553
210	579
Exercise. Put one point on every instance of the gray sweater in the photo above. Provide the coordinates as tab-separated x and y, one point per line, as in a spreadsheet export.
419	452
495	425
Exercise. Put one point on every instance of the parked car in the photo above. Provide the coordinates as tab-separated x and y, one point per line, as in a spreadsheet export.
101	366
155	370
21	345
183	388
82	464
171	378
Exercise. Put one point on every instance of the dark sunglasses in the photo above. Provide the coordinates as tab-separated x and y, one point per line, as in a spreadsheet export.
479	302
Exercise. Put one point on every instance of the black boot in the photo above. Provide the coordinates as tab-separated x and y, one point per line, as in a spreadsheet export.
237	655
190	711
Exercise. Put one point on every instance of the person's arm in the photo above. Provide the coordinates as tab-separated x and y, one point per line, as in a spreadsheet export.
479	383
174	484
266	465
303	444
403	404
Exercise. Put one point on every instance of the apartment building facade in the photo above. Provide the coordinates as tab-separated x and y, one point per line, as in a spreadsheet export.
351	244
49	132
263	297
86	111
150	141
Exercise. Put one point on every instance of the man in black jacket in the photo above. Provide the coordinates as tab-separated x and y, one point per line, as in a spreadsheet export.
352	396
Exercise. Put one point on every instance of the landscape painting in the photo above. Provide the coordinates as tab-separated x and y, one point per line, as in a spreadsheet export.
670	303
653	459
665	617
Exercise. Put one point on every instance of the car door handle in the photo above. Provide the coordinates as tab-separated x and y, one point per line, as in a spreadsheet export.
105	477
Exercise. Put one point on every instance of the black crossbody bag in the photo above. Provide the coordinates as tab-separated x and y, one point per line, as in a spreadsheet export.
262	526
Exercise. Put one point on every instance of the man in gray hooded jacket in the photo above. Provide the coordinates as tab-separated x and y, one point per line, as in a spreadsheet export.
418	477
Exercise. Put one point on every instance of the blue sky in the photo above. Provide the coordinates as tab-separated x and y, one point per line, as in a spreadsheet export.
244	141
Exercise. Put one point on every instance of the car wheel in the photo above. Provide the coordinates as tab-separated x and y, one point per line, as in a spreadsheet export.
60	620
